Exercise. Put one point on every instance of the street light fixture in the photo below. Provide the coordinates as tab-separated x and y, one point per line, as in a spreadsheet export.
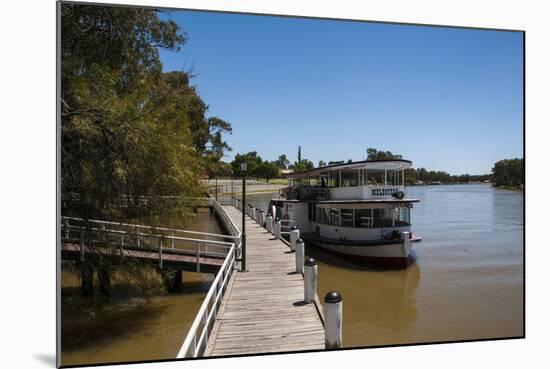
244	168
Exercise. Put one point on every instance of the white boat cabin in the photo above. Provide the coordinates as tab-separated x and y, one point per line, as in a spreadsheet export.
352	201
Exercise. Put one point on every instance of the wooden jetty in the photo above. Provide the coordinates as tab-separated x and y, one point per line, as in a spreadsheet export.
263	309
185	260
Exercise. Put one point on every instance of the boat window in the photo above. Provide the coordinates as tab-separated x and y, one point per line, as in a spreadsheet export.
322	215
311	212
376	177
335	217
404	217
350	178
346	216
363	218
334	179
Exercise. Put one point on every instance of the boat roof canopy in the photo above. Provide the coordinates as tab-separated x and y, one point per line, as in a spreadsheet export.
391	164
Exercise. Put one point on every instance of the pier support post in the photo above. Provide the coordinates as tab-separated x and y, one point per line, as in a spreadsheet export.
173	280
87	279
277	228
333	320
104	277
300	256
294	236
269	223
310	280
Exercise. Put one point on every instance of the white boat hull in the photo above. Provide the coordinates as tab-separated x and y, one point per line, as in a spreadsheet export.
394	254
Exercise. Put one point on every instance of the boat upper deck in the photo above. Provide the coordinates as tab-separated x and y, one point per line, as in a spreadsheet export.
373	165
349	181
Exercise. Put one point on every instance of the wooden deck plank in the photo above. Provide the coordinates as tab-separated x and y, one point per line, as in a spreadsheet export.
264	310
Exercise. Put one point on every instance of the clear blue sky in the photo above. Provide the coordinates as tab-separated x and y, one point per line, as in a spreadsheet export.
447	99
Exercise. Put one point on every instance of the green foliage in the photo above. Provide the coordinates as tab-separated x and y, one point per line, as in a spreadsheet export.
282	162
373	154
321	163
268	170
131	135
301	164
256	166
305	164
509	172
253	161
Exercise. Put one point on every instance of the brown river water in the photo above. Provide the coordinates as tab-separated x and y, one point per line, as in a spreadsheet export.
138	330
466	283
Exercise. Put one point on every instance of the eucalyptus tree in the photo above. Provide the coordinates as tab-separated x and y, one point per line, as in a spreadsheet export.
129	131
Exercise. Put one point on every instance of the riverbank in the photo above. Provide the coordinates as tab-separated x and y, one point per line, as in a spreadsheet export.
511	188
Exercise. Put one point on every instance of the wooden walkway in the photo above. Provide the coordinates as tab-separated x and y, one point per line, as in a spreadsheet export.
263	311
180	260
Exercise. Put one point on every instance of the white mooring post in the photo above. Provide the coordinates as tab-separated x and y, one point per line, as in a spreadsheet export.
262	218
333	320
300	256
406	245
269	223
294	236
310	280
277	228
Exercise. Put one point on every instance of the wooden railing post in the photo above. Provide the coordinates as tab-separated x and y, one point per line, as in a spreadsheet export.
173	235
160	253
138	237
198	267
67	234
121	245
82	244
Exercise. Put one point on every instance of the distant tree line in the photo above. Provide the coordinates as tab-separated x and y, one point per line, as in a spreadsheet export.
505	172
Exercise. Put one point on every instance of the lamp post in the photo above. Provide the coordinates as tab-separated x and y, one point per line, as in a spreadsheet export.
243	233
216	187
